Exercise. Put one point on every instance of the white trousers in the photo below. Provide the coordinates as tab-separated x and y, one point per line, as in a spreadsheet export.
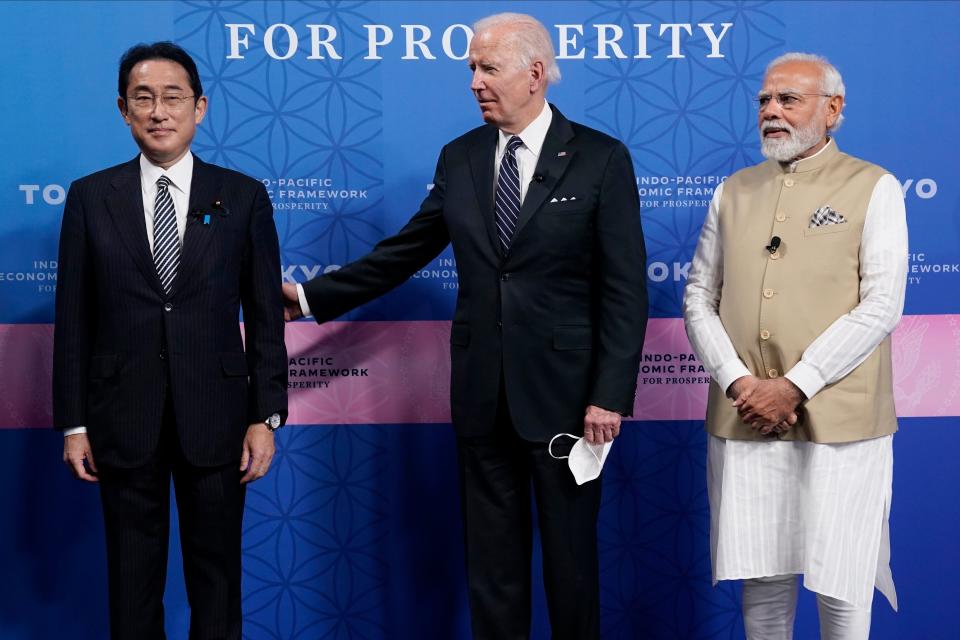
770	605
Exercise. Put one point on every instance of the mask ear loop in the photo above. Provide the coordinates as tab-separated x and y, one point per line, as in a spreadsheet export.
550	446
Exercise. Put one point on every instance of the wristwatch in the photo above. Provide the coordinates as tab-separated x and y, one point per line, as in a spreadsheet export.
273	422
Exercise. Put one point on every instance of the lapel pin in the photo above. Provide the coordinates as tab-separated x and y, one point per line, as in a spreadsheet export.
206	218
561	154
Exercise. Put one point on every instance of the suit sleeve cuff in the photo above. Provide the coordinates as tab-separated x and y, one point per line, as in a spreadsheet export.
807	379
73	431
304	305
729	372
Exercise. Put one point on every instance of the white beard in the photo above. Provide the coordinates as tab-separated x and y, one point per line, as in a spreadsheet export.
786	149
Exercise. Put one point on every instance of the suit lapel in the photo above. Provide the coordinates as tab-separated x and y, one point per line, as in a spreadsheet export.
554	159
204	191
125	206
482	156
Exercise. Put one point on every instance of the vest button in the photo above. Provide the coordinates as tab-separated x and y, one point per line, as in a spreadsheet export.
788	182
781	216
768	293
773	373
764	335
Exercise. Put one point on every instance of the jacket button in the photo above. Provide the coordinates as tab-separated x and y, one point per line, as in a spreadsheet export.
768	293
504	276
764	335
168	307
781	216
775	255
773	373
788	182
499	324
163	354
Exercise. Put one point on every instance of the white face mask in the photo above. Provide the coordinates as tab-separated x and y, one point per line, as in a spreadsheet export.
585	459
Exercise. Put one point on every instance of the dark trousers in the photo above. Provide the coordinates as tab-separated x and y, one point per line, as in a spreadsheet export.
136	509
496	476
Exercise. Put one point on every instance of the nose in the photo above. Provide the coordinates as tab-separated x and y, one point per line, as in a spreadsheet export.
771	111
476	82
159	110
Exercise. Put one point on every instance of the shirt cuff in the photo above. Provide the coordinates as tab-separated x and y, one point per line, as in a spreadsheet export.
807	378
73	431
304	305
730	372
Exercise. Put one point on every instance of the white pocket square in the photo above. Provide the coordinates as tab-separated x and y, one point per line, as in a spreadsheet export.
825	216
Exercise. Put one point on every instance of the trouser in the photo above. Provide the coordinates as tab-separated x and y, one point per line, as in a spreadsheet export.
770	604
496	474
136	508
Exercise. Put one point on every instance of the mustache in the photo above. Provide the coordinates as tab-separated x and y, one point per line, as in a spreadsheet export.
776	124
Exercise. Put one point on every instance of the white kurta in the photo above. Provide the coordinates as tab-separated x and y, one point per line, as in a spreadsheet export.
821	510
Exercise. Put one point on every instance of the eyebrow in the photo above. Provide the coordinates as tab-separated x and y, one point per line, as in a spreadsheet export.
167	87
786	90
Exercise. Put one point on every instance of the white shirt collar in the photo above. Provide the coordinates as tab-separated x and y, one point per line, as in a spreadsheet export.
535	133
180	174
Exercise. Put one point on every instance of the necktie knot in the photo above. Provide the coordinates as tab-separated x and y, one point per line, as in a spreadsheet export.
163	182
513	144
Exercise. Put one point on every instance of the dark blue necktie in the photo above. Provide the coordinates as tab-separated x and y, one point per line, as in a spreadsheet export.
166	240
507	206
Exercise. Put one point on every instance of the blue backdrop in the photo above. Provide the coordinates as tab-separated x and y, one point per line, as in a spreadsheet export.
355	533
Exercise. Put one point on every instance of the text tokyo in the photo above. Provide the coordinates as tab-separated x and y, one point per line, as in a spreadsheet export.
418	42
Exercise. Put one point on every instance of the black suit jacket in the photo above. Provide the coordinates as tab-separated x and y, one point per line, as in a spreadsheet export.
119	338
561	316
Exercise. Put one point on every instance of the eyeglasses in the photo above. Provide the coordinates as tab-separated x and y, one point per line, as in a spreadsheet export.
787	101
145	101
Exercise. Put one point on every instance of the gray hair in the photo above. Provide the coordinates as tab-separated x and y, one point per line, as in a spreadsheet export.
529	40
831	82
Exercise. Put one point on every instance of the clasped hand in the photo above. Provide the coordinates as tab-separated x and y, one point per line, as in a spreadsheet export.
291	302
769	406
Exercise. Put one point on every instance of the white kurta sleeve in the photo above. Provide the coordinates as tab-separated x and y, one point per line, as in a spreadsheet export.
701	304
851	338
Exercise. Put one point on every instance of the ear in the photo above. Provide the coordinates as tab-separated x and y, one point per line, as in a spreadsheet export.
834	109
200	110
122	105
537	77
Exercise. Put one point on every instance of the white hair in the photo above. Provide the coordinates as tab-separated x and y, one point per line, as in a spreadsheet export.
831	82
529	40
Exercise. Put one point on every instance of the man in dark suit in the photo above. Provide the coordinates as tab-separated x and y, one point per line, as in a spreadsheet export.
151	379
543	216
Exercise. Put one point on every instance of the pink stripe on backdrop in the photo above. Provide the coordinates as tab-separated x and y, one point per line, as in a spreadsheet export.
398	372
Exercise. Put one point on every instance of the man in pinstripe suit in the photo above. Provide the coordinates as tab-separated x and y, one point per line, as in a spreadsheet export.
151	379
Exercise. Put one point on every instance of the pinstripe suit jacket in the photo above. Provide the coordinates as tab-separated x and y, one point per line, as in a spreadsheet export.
120	340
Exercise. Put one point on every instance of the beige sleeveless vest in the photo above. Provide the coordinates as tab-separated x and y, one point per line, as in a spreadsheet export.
774	305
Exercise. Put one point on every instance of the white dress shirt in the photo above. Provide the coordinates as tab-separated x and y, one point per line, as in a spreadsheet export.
181	177
527	156
528	153
844	344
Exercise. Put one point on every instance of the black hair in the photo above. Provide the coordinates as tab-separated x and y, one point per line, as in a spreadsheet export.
164	50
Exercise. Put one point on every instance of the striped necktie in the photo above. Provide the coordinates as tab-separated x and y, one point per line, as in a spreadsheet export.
507	206
166	240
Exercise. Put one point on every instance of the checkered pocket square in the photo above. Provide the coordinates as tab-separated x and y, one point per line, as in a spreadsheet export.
825	216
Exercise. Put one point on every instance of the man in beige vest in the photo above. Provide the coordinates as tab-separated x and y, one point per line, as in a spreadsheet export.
797	282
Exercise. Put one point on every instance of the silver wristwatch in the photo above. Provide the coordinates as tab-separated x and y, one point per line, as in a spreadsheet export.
273	422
